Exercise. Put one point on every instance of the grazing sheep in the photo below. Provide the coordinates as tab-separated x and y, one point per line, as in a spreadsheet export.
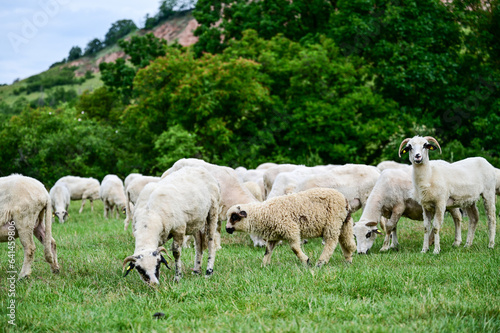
265	166
132	192
391	198
255	189
112	195
81	189
130	178
391	165
441	186
309	214
286	182
25	210
59	195
354	181
256	176
232	191
271	173
185	202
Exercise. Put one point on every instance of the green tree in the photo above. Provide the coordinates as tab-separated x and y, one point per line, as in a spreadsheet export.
94	46
118	30
143	49
174	144
118	77
74	53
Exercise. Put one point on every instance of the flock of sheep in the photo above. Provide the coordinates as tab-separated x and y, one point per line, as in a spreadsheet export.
271	203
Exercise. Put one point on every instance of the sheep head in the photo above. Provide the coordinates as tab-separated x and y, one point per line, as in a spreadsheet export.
418	148
147	264
365	234
236	219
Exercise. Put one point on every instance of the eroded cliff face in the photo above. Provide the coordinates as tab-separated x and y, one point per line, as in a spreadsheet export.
178	29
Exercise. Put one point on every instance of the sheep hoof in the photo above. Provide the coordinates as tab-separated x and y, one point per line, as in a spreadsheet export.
457	243
209	272
424	250
491	245
196	273
384	249
308	262
436	251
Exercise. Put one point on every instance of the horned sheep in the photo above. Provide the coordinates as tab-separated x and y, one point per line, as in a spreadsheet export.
132	192
25	210
391	198
441	186
232	191
59	195
309	214
112	194
81	188
186	202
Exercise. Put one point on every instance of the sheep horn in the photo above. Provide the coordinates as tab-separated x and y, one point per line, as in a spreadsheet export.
405	141
162	249
128	259
430	138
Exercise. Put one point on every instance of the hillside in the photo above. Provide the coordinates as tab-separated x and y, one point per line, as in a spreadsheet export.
179	28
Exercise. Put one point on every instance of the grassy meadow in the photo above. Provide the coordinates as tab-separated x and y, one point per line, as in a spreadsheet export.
405	291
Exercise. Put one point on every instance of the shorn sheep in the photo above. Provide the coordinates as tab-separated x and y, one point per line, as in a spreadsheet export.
441	186
309	214
391	198
112	194
132	192
59	195
232	190
185	202
25	210
81	188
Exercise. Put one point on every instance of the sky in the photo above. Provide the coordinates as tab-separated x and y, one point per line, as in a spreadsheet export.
35	34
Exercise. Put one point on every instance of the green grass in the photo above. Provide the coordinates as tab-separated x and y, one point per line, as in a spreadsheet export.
406	291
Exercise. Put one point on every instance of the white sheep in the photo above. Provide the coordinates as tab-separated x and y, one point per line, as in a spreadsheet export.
112	194
25	210
81	188
271	173
354	181
391	165
391	198
130	178
497	187
309	214
265	166
132	192
186	202
60	197
256	176
441	186
232	191
255	189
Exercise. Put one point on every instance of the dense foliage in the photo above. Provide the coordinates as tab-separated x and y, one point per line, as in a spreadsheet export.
307	82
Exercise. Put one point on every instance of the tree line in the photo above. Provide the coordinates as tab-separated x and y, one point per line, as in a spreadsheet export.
308	82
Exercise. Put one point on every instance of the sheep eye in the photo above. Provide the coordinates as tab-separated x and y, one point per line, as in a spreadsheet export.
368	235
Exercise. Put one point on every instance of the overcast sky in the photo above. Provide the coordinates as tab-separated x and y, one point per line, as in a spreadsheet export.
35	34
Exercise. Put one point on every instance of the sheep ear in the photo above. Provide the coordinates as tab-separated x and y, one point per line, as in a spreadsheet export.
377	232
371	224
243	213
164	261
129	268
430	147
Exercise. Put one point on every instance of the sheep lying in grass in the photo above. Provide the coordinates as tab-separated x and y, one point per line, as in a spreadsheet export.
185	202
112	194
391	198
308	214
459	184
81	188
59	195
25	210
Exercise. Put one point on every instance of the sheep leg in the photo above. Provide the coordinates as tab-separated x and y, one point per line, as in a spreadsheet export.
390	228
473	214
438	222
198	248
427	227
269	252
394	243
457	219
81	207
489	207
295	245
178	237
117	211
49	252
26	238
128	213
213	225
106	208
91	205
346	240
